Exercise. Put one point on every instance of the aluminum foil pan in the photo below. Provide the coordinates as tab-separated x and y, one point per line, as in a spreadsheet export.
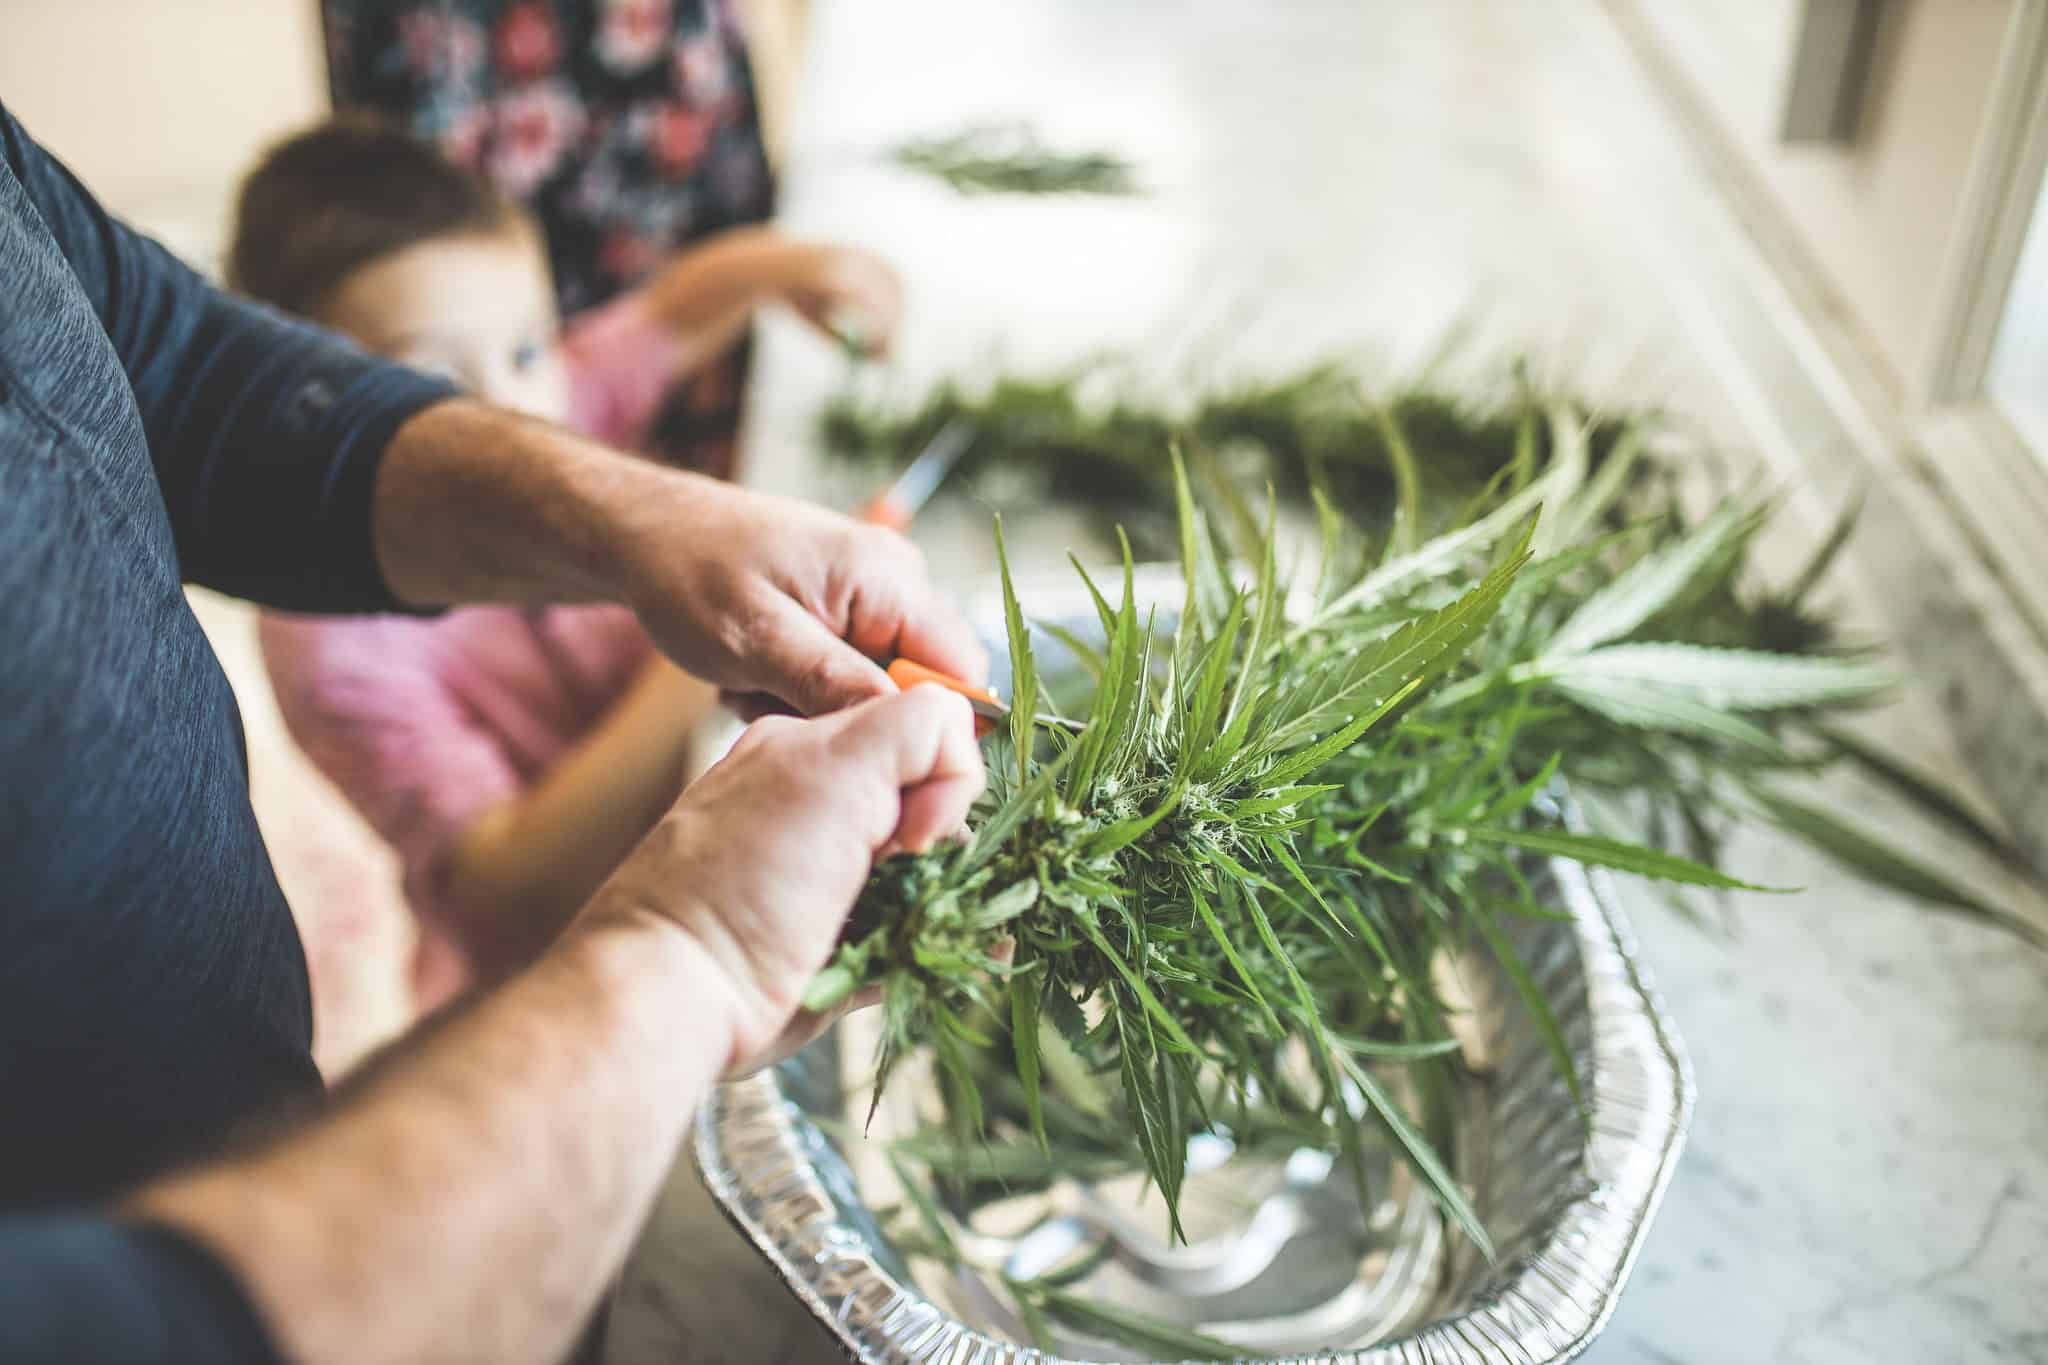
1284	1258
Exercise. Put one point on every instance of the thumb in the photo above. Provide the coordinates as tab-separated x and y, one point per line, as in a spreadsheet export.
801	662
921	742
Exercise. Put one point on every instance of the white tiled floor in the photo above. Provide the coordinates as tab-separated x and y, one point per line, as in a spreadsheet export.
1868	1174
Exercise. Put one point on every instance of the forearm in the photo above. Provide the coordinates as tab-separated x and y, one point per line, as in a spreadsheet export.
524	869
476	504
753	593
471	1199
707	293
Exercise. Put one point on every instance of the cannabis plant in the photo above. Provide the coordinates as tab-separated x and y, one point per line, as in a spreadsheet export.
1285	802
1402	466
1280	807
1011	158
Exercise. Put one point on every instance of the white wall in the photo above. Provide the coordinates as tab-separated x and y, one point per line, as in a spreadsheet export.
161	105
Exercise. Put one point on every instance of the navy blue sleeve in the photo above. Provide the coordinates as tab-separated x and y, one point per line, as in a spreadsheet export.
78	1287
266	433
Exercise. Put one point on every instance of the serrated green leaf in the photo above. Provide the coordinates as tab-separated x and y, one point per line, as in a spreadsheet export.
1536	1002
1301	764
1444	1186
1577	518
1330	526
1143	992
1647	586
1026	989
1407	483
1729	679
1207	585
1284	798
1440	554
1662	709
1622	857
1207	913
1164	1148
1422	649
1570	458
1023	666
992	833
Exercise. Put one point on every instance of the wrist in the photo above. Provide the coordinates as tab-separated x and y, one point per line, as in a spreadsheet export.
661	973
474	503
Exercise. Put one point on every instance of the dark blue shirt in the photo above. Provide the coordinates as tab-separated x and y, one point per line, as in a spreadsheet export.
153	995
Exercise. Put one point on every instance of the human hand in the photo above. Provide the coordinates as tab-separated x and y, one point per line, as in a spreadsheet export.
763	857
843	291
771	597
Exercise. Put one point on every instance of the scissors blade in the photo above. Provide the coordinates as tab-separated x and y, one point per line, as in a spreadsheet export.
916	484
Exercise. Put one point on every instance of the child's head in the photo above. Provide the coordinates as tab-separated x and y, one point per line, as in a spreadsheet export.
363	229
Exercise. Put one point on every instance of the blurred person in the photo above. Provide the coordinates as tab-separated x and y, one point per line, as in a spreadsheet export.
628	127
510	755
174	1184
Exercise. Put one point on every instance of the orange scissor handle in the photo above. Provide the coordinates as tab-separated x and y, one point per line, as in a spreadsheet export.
988	706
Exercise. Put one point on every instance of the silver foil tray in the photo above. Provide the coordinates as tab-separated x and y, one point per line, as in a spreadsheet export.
1303	1271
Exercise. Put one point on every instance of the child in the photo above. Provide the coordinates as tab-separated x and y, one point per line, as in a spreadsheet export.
512	756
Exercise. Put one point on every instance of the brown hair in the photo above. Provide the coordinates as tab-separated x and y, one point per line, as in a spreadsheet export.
328	201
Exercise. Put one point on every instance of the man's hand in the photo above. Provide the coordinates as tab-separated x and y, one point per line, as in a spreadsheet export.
756	594
468	1196
768	595
763	857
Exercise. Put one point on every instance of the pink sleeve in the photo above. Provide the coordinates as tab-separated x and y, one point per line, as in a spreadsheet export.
363	696
622	363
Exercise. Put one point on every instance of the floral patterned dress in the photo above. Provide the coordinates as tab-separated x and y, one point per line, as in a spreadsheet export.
628	126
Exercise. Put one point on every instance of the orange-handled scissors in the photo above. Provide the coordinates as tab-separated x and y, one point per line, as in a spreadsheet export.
988	707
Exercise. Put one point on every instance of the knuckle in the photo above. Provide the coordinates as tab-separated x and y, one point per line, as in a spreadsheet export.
939	706
770	736
746	630
769	729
